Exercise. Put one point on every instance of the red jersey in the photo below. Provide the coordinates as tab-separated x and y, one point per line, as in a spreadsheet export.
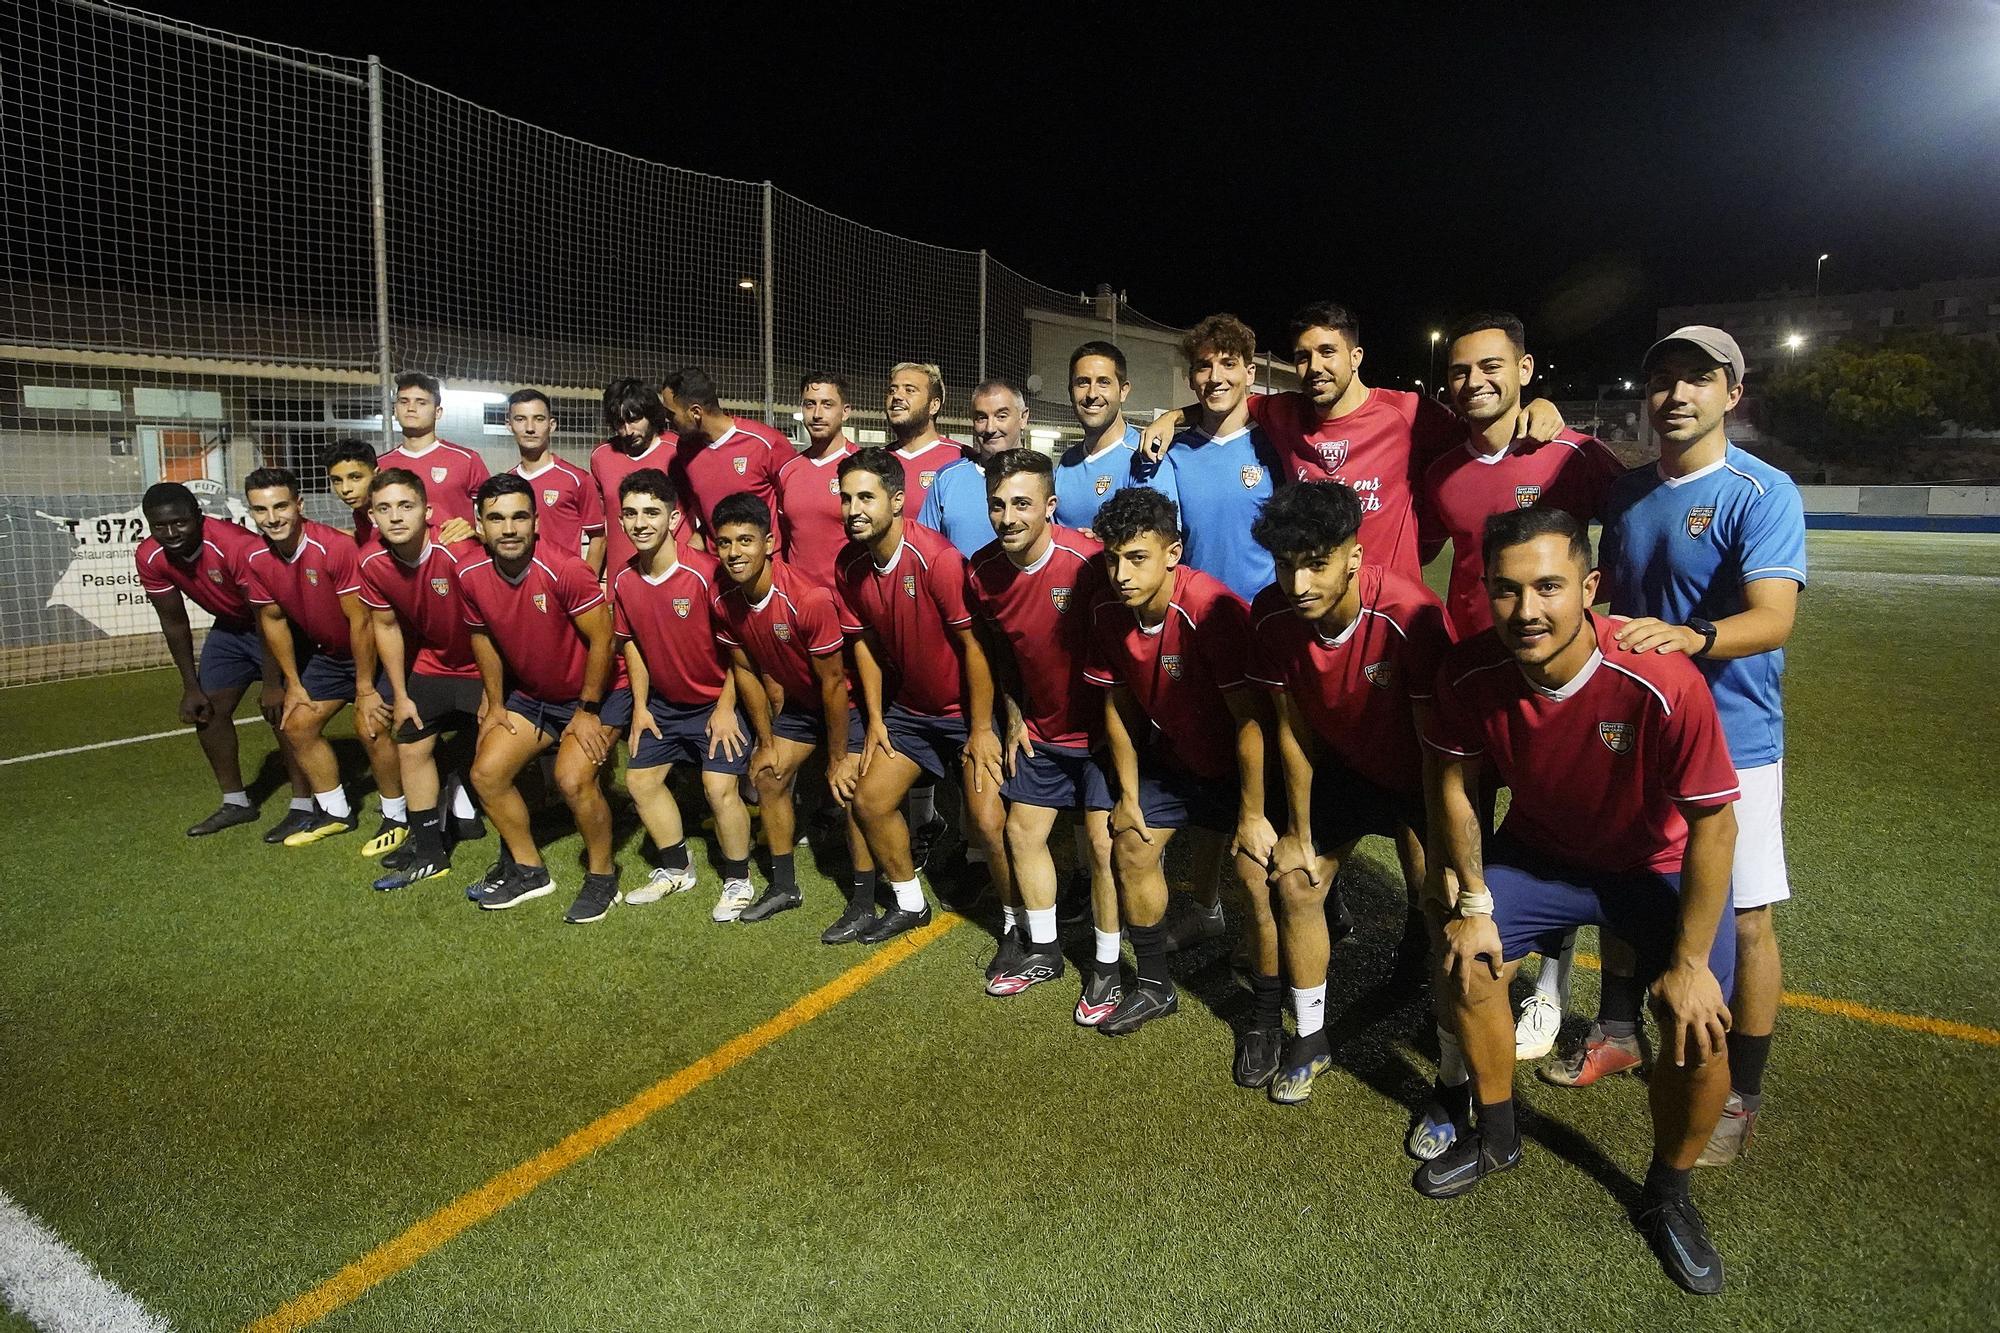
452	474
427	603
213	580
913	604
568	509
1355	690
1380	450
746	458
1178	670
672	620
1597	767
921	466
796	622
609	467
809	512
532	621
1043	611
323	568
1467	486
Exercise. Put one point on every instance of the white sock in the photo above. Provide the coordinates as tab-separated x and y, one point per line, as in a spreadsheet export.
1009	918
236	798
921	805
461	803
1309	1008
1041	925
396	808
909	894
1107	945
1451	1060
334	802
302	803
1553	980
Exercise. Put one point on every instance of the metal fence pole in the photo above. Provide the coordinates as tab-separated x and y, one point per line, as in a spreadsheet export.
380	222
982	316
1115	299
770	345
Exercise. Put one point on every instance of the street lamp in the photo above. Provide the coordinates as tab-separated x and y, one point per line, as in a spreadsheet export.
747	284
1435	335
1816	272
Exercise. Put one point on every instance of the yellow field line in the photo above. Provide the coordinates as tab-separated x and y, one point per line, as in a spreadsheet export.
468	1210
1861	1013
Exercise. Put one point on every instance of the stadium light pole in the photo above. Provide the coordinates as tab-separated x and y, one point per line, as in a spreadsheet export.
1435	335
1817	268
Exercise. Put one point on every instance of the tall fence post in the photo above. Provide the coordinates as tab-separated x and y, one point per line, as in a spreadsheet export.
982	316
1115	299
770	344
379	220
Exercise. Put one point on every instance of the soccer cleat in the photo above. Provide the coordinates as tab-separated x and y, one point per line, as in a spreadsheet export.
847	927
1535	1034
1461	1167
889	926
226	815
737	894
1673	1227
1010	952
597	896
1144	1002
1194	927
470	829
1103	987
659	884
412	871
491	880
1073	904
392	834
293	821
321	825
1035	967
924	840
773	901
1599	1057
1339	921
1306	1058
402	857
1258	1051
1732	1135
1432	1133
520	884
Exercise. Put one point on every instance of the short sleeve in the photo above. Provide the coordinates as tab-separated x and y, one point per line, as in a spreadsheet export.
1452	728
1266	655
621	624
820	625
371	591
1772	544
946	579
150	582
1695	768
253	586
1097	655
851	623
589	506
343	566
577	591
1425	642
1435	431
1224	629
1159	476
932	514
469	597
475	473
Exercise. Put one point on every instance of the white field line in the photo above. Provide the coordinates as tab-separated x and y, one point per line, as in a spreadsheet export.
112	745
55	1288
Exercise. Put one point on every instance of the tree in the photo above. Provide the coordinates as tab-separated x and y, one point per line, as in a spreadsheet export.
1851	396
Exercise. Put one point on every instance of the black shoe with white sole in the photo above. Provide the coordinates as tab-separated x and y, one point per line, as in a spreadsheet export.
597	896
1673	1227
226	815
1460	1168
521	884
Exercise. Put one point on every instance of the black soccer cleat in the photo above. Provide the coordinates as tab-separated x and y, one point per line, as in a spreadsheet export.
293	821
1258	1051
597	897
495	876
1007	955
1143	1002
1103	988
895	923
924	840
1673	1227
519	885
1461	1167
1305	1059
227	815
412	870
320	825
1033	968
847	927
773	901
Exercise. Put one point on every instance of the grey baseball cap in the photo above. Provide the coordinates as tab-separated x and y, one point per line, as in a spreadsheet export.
1704	338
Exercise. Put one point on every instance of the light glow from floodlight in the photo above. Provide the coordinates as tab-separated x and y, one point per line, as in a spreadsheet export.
1793	342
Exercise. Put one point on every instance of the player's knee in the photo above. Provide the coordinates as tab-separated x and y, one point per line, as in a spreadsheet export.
1297	896
722	792
1132	854
300	727
873	805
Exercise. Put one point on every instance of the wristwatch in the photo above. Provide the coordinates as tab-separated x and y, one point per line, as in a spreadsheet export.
1707	631
596	706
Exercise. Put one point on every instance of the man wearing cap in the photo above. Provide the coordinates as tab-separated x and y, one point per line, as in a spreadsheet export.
1706	553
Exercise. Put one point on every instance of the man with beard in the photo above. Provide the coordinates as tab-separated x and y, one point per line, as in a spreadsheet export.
636	435
1107	459
809	482
718	454
568	510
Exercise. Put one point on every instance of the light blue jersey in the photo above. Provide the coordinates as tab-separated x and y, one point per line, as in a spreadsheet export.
1085	482
1685	546
1220	484
956	506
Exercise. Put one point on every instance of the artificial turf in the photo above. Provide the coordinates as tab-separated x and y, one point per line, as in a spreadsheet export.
229	1070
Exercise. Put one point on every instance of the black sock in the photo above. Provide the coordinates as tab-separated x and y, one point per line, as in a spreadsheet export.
427	834
1663	1180
674	857
1497	1128
864	889
739	869
1149	952
1267	1001
1456	1099
1618	1006
783	876
1747	1057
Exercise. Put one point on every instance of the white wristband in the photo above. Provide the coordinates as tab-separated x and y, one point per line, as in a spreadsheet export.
1475	904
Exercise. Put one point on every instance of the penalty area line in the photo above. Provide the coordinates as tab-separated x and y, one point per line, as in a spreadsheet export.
112	745
54	1288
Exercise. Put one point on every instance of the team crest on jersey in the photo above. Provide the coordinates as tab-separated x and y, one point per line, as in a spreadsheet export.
1251	476
1617	736
1171	664
742	465
1525	496
1103	484
909	585
1380	674
312	577
682	606
782	632
1060	596
541	601
441	587
549	497
833	486
1333	453
439	474
1699	518
215	576
924	479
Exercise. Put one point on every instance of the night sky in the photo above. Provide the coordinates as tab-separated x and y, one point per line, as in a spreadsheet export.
1582	166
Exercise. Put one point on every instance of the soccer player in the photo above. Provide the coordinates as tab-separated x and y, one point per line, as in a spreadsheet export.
452	472
956	502
1107	459
1186	745
681	703
539	621
410	585
1351	653
1336	428
926	688
1620	818
718	454
569	512
1035	586
914	399
1496	470
305	579
1221	467
809	482
1707	554
636	435
350	466
783	634
189	556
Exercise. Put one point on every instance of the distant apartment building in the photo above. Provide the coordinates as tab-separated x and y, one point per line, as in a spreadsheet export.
1766	327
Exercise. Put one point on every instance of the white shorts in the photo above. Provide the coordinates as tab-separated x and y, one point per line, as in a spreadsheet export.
1758	874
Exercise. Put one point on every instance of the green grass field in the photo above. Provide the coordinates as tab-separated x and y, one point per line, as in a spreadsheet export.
227	1071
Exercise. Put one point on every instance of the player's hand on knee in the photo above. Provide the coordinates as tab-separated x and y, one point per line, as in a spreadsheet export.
1255	839
195	708
1292	856
1126	817
725	733
1692	1013
1472	951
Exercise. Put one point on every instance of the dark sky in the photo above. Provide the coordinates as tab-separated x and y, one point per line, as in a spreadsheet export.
1581	165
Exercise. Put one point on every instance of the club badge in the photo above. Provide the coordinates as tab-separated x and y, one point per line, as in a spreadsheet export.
542	602
442	587
909	585
682	606
1617	736
439	474
312	577
924	479
742	465
1380	674
833	487
215	576
1103	484
549	497
1171	664
1251	476
1333	453
1699	518
782	632
1525	496
1060	596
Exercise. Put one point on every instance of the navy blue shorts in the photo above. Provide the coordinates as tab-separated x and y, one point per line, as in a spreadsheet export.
1346	806
1537	899
328	678
445	703
934	744
808	727
1169	797
683	737
549	718
232	657
1054	777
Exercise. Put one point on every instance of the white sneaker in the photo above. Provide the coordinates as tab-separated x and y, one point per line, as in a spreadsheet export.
736	895
661	883
1535	1033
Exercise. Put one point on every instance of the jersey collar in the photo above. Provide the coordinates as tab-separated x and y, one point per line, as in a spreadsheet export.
724	438
894	560
1696	475
1574	685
